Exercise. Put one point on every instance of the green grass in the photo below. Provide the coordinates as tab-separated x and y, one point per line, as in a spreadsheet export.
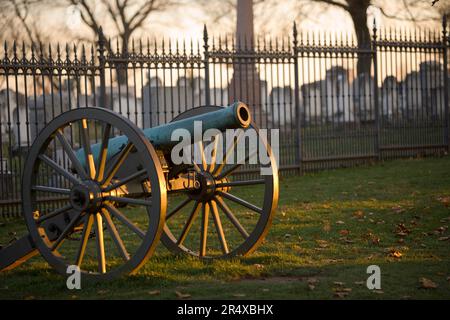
329	227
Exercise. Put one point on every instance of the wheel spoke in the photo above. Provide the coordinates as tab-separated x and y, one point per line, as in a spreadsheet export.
204	232
240	201
189	222
219	228
117	163
231	217
119	215
66	231
87	148
234	167
129	200
84	240
202	155
125	180
240	183
115	235
103	152
100	243
54	213
227	154
213	155
178	208
69	151
59	169
51	189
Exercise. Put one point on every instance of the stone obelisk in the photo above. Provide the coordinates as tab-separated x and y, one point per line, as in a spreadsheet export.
245	84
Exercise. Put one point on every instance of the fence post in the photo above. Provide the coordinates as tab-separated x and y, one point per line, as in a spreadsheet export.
446	87
375	90
206	62
299	139
101	67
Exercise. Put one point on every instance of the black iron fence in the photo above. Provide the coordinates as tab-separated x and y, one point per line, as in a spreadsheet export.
335	102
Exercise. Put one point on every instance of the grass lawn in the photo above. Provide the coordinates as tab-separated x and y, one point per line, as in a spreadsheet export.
329	228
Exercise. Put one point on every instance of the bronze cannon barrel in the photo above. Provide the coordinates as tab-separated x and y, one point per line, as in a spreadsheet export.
234	116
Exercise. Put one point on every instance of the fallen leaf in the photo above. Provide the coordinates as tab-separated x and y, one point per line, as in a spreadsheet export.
359	283
340	222
265	290
378	291
258	266
239	295
344	232
322	243
358	214
313	280
338	283
311	287
340	294
427	283
326	206
154	292
375	240
395	254
444	200
181	295
287	235
327	226
398	209
444	238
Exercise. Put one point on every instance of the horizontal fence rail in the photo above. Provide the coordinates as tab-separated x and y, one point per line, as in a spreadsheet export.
335	102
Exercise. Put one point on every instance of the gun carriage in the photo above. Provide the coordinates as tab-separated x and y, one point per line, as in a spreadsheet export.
119	192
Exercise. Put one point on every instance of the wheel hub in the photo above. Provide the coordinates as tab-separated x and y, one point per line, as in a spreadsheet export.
206	188
86	196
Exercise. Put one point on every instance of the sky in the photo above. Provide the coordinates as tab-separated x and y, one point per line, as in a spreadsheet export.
187	21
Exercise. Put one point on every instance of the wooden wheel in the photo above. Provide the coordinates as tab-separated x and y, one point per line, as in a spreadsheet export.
91	224
228	212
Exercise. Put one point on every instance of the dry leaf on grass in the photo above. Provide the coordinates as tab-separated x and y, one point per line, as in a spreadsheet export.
444	200
340	222
358	214
398	209
427	283
395	254
258	266
181	295
154	292
344	232
311	287
322	243
239	295
340	294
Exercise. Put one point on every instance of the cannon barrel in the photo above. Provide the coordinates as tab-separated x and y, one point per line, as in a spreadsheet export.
234	116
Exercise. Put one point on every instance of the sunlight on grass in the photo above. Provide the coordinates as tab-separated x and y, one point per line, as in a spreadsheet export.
329	227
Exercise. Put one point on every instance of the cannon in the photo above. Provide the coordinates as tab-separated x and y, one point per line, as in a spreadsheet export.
99	193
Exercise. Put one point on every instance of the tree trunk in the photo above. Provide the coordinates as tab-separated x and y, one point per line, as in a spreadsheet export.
358	12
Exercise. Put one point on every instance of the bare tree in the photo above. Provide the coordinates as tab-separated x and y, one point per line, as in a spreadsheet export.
415	11
125	15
